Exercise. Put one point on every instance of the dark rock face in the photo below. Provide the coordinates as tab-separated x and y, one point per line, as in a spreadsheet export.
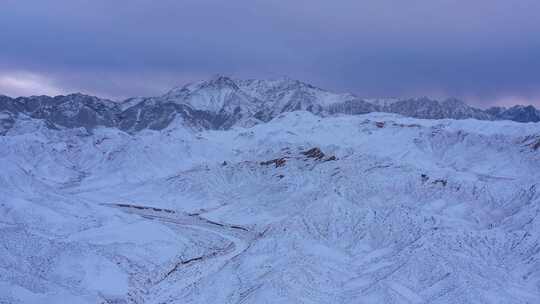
433	109
354	107
495	111
71	111
278	162
516	113
315	153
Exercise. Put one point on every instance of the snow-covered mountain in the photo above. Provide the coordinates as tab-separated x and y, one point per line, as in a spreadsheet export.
222	102
235	191
370	208
287	95
516	113
435	109
71	111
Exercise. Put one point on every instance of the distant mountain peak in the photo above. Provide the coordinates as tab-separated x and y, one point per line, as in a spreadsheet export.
217	82
221	102
220	77
520	113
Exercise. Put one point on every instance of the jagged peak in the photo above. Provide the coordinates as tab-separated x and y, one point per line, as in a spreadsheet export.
523	107
217	81
455	103
454	100
219	78
236	100
35	97
220	81
77	96
282	82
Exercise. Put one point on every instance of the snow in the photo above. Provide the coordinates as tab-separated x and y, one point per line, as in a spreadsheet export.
4	115
408	211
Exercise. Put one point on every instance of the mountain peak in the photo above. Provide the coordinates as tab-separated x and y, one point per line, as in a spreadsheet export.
220	77
217	81
521	113
220	81
219	94
223	102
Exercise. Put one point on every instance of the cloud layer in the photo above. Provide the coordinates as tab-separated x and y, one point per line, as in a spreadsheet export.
484	51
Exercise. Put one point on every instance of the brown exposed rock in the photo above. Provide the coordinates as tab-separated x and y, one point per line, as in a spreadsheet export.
331	158
535	145
532	141
278	162
144	208
441	181
407	125
379	124
315	153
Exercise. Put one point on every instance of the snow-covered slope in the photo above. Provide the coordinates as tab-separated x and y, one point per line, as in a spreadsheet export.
219	94
372	208
287	95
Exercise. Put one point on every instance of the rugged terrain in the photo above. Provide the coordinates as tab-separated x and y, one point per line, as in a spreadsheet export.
222	102
210	194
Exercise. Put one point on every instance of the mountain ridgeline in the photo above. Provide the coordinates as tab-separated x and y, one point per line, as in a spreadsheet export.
222	102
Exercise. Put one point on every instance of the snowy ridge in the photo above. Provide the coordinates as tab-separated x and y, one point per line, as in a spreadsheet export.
217	94
222	103
374	208
516	113
286	95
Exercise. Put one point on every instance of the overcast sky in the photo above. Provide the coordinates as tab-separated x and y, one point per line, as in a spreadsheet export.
484	51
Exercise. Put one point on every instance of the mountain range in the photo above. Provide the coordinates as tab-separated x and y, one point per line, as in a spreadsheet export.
223	102
321	198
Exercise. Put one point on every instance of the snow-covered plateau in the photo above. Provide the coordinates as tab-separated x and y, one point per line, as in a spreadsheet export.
296	206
